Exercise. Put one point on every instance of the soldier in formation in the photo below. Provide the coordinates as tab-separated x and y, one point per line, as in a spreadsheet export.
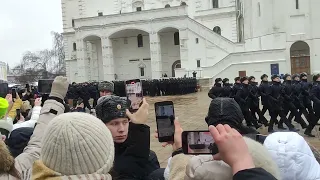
294	99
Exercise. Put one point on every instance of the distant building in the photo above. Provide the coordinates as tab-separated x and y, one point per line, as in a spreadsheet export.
3	71
130	39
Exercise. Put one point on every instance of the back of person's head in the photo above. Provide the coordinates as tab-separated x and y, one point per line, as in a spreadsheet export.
3	107
293	156
25	106
19	139
205	168
227	111
77	144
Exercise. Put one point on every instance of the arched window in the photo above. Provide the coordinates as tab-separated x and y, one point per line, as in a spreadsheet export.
167	6
74	46
176	38
215	3
140	40
183	4
217	30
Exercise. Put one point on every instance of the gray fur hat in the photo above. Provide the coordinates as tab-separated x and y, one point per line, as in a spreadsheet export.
106	86
111	107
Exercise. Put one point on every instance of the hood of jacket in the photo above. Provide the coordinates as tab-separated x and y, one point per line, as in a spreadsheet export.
293	156
205	168
19	139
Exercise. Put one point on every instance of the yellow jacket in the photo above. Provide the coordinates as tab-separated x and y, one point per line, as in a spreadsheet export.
16	105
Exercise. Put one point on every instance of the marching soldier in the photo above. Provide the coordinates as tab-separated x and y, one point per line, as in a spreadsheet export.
227	89
217	90
236	86
263	89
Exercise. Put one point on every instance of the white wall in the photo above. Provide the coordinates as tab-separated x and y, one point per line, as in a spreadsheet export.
122	53
71	68
169	52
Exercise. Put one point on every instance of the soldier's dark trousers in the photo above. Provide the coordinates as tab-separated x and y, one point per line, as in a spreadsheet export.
289	106
248	117
274	114
315	119
86	104
256	110
95	101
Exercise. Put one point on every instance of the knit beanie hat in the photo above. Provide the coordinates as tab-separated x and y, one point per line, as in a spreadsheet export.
77	143
203	167
3	107
111	107
106	86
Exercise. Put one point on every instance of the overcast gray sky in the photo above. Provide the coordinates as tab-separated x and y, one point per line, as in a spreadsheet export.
26	25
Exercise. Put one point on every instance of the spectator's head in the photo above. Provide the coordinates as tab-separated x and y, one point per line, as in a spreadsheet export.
19	139
76	144
204	167
25	108
293	155
6	160
112	111
227	111
106	88
264	77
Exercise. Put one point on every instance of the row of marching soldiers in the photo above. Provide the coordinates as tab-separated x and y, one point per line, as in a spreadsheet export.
291	99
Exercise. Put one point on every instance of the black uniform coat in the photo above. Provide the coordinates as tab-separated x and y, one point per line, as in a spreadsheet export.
131	157
253	174
243	97
216	91
263	89
315	96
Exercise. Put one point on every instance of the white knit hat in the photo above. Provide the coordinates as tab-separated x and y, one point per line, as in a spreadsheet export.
77	143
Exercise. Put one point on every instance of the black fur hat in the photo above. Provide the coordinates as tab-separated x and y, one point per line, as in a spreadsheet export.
295	75
263	76
286	76
303	75
243	79
225	80
111	107
315	77
251	77
237	79
217	80
275	76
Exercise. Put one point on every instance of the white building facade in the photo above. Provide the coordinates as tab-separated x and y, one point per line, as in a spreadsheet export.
127	39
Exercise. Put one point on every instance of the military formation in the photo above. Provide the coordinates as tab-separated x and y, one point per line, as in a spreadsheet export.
162	87
289	100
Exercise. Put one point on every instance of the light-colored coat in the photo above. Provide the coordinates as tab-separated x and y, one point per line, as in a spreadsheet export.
32	152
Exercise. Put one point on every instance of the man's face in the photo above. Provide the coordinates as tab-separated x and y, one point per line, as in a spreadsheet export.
104	93
277	79
265	78
238	81
245	82
297	78
304	77
119	129
253	80
288	78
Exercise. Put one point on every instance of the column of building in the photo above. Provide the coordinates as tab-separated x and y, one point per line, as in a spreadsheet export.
107	59
82	61
155	53
184	54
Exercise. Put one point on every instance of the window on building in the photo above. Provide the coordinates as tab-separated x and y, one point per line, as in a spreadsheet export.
259	9
217	30
72	22
140	40
74	46
100	13
176	38
141	71
183	4
197	40
297	4
125	40
215	3
139	8
167	6
198	63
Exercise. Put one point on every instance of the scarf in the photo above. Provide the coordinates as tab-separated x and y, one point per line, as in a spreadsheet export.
39	172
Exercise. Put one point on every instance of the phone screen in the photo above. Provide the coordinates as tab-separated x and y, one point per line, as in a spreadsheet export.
44	86
4	90
14	93
198	142
134	93
165	120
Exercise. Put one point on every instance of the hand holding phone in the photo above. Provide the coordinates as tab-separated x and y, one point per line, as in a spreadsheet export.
198	142
177	140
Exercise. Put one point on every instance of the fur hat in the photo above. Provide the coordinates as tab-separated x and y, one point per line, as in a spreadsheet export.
217	80
286	76
251	77
77	143
243	79
304	74
25	106
111	107
225	80
237	79
106	86
275	76
315	77
203	167
263	76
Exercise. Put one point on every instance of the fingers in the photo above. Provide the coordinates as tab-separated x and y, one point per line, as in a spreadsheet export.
228	128
221	129
214	132
128	113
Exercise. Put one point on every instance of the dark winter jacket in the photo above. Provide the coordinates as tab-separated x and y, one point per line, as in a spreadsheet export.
216	91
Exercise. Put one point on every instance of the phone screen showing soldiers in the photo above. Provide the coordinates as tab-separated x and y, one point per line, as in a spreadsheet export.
134	93
201	143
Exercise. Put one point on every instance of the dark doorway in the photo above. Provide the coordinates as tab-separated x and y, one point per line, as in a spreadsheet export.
300	57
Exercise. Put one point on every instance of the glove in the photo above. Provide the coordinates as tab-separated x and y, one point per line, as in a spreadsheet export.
59	87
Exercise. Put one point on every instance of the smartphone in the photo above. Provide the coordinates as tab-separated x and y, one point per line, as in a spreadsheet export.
165	120
134	94
4	90
14	93
198	142
44	86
